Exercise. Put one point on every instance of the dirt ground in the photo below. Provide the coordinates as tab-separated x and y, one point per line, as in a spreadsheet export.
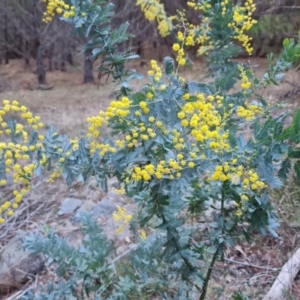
69	103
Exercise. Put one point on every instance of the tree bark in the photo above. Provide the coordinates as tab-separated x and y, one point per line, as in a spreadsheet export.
70	57
88	67
40	67
39	47
6	34
50	57
63	56
27	54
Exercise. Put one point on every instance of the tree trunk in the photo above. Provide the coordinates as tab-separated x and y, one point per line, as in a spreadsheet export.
27	54
50	65
63	56
40	67
50	58
70	57
88	67
6	34
38	45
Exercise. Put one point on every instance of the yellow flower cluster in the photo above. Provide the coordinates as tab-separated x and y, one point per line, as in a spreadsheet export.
179	48
104	148
74	144
17	151
143	234
58	7
249	112
242	22
95	123
170	168
120	191
155	73
141	133
16	155
205	122
167	169
237	174
177	139
204	6
144	107
119	108
201	35
241	205
154	10
224	7
226	172
246	84
14	106
184	38
251	180
55	175
7	208
120	216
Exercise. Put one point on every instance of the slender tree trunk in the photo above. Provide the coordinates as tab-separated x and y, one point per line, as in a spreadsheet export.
27	54
88	75
40	67
50	65
56	65
39	47
50	58
63	56
6	34
70	57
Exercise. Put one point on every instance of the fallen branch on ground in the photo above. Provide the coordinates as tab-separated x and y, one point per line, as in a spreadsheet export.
285	278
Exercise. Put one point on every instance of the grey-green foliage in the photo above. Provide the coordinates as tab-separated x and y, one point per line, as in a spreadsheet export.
89	263
293	152
92	270
239	296
174	255
104	41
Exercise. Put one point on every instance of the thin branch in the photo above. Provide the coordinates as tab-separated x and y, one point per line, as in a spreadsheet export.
246	264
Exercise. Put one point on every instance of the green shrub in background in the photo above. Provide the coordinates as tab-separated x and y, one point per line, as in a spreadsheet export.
271	29
182	150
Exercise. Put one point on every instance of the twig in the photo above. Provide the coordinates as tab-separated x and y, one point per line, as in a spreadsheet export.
25	207
18	294
132	248
251	265
287	81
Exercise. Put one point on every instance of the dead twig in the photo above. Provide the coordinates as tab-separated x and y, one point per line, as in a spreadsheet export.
246	264
19	294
